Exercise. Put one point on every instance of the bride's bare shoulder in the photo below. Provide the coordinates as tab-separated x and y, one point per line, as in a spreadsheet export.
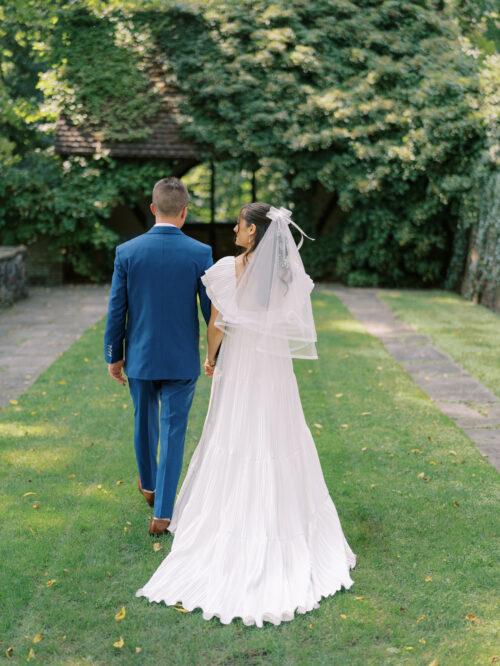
239	264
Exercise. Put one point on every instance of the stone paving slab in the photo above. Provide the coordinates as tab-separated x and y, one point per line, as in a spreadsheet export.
38	329
470	404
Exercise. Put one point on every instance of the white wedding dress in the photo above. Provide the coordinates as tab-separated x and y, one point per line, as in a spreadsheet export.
257	535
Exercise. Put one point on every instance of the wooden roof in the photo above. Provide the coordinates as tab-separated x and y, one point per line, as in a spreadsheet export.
164	141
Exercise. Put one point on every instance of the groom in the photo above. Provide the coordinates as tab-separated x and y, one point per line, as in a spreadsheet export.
152	334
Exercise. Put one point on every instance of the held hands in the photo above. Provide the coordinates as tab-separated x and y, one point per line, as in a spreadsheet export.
209	367
115	370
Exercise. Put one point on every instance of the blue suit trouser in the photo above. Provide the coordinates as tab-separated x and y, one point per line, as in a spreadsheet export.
161	409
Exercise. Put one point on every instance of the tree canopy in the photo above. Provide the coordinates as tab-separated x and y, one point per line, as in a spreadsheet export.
368	116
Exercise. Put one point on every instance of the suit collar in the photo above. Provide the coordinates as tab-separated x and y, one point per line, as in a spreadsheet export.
164	230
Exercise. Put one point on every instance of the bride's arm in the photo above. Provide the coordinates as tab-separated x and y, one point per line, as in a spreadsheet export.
214	339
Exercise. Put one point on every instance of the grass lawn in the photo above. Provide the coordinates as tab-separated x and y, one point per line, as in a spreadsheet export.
415	498
469	333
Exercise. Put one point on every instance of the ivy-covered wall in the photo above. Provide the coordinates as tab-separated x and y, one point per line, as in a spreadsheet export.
367	117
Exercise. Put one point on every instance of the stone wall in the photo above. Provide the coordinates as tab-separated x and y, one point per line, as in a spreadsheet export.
13	280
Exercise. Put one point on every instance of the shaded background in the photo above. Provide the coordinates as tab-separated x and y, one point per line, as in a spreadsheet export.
375	121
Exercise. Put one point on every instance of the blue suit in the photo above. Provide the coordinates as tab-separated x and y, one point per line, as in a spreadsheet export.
153	324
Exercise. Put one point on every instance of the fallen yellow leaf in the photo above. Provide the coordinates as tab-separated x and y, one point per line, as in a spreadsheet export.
31	654
318	425
9	651
119	643
365	448
37	638
422	640
28	494
51	582
434	662
36	505
339	395
119	482
359	598
365	413
471	617
421	618
138	650
428	579
343	616
71	476
181	609
121	614
344	425
156	547
13	402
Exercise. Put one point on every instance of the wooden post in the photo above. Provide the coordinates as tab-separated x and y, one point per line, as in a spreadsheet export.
254	186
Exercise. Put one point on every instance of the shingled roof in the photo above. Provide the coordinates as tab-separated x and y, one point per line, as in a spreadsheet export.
164	141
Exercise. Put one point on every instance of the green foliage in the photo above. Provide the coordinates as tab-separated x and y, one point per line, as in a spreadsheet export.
70	202
478	19
365	117
98	77
233	188
21	57
389	125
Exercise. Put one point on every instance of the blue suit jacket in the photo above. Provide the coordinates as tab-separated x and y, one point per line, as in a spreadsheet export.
153	314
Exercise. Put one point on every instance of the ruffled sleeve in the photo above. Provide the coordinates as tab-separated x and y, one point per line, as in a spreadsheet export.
220	284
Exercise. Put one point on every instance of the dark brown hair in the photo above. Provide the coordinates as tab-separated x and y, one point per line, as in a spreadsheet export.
255	213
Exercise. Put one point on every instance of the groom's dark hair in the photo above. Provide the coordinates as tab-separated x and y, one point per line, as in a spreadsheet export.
170	196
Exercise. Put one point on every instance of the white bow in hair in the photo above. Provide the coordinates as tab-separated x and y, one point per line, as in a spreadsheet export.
286	216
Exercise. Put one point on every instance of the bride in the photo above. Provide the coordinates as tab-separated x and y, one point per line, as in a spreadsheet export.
257	535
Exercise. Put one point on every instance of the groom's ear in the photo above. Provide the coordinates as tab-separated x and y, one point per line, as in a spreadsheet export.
184	213
152	208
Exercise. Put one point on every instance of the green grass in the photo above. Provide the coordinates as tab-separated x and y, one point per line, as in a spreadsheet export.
469	333
69	441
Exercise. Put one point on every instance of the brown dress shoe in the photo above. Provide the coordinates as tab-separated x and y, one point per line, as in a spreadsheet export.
158	526
148	494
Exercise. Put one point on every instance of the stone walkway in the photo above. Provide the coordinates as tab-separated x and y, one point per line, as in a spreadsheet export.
38	329
472	406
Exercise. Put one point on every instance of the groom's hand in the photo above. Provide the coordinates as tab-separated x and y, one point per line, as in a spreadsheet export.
116	371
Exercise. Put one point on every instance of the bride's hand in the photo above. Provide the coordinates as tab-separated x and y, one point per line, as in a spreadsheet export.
209	368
